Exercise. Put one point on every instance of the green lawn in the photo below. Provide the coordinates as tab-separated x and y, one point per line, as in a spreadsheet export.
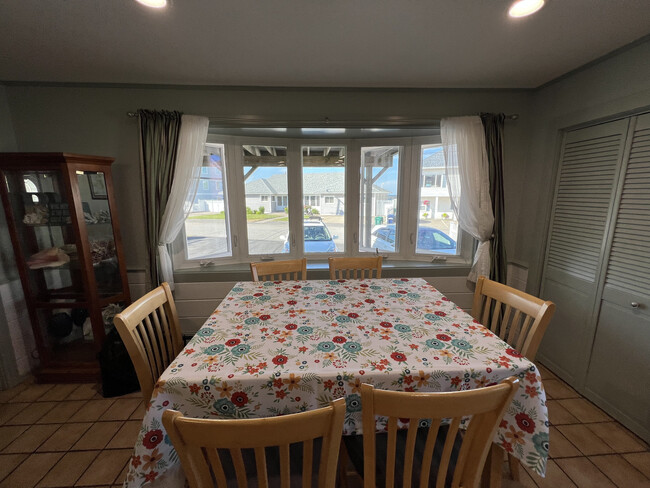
249	217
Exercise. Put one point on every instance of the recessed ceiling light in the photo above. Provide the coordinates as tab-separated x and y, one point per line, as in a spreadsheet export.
153	3
522	8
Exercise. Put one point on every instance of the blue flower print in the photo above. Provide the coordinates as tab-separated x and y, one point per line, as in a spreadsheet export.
461	344
435	344
353	403
205	332
352	346
326	346
252	321
212	350
540	441
402	328
241	349
304	330
224	407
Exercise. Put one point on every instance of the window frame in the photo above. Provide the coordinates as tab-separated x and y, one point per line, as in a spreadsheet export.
407	215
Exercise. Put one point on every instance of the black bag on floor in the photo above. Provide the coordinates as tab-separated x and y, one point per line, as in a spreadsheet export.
118	373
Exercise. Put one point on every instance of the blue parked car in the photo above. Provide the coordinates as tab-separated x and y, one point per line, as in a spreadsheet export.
430	240
317	237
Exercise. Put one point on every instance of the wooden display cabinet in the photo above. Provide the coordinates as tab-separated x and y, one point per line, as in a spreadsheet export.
62	218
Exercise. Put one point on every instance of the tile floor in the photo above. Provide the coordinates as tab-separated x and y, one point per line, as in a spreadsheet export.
69	436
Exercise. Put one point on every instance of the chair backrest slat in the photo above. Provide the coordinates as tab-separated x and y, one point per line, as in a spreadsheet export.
524	331
484	406
235	435
290	269
150	331
355	268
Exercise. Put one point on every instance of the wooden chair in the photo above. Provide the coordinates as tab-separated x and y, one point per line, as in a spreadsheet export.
198	442
292	269
150	331
466	453
516	317
355	268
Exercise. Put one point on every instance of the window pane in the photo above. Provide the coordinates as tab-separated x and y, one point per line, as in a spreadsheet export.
437	222
323	187
379	195
206	228
265	175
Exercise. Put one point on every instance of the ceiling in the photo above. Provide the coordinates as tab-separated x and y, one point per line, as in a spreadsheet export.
318	43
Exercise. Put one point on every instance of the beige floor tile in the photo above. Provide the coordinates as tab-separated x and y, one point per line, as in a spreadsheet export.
10	410
58	393
555	477
85	391
10	433
560	446
91	411
620	471
64	438
584	439
68	470
558	415
7	395
120	479
30	472
558	389
138	413
545	372
640	460
121	409
62	412
617	437
31	413
32	438
584	410
106	467
32	393
584	474
8	462
98	436
126	436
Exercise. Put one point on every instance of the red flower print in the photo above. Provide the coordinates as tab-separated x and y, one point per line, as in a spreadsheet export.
291	302
297	287
232	342
456	380
409	388
514	353
328	384
386	324
506	445
353	315
258	295
341	281
279	360
531	377
339	339
280	394
369	300
150	476
194	389
402	292
330	293
188	351
277	383
408	379
445	299
265	317
291	326
398	356
443	337
503	424
531	391
404	279
363	285
135	461
525	423
302	349
239	398
152	438
440	314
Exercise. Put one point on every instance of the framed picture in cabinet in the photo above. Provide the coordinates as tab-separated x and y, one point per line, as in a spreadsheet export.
97	186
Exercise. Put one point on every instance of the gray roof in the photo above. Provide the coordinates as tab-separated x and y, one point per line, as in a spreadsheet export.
435	160
313	184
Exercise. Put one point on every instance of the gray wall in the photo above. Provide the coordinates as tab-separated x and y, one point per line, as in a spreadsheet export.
614	86
92	120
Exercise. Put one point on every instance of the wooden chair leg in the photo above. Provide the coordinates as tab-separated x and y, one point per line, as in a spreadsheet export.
493	465
513	463
343	466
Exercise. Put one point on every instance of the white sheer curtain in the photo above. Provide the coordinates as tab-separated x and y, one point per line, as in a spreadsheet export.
189	159
466	166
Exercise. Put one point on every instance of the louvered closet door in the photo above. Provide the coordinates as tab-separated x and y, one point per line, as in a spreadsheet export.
585	191
619	370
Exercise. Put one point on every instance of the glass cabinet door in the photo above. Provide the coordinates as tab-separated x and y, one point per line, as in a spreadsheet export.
99	226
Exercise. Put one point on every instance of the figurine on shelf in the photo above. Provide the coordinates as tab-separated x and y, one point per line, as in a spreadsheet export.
36	215
48	258
109	312
101	250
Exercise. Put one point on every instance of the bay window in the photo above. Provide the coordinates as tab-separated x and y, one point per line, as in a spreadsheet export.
279	198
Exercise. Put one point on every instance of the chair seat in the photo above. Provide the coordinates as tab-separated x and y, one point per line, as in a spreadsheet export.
354	446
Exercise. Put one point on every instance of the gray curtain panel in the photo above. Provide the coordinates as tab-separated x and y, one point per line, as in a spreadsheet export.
493	126
159	132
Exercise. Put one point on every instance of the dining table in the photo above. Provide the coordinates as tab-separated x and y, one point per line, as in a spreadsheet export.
281	347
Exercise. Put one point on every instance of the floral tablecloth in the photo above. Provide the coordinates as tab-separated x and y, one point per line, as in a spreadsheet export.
276	348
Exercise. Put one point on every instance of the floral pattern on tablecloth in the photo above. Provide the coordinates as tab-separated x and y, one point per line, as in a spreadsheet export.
274	348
